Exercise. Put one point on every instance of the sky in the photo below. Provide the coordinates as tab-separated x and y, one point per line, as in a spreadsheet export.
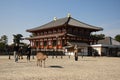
16	16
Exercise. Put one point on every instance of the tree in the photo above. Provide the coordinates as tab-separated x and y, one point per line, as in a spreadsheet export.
17	38
4	39
117	37
98	36
3	43
2	46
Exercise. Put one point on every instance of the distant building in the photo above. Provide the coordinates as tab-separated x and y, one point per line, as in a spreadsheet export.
62	34
107	47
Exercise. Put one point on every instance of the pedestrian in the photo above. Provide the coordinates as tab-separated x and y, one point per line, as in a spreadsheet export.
76	53
21	52
16	48
76	56
28	52
8	51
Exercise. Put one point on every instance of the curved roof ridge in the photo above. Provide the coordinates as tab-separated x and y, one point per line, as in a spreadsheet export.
53	23
68	21
85	24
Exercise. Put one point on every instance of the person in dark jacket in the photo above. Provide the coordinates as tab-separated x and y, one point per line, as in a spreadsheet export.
28	52
76	56
16	48
21	52
76	53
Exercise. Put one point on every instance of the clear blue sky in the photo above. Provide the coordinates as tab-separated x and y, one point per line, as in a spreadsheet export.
18	15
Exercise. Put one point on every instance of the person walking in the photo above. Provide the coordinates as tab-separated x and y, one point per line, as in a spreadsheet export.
76	56
21	52
28	52
16	48
76	53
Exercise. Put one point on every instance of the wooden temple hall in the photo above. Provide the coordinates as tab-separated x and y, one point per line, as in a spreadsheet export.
62	35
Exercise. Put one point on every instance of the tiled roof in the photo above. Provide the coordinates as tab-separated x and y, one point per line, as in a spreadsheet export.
65	21
109	41
79	44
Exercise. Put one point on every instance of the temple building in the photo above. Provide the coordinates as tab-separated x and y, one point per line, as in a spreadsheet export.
63	33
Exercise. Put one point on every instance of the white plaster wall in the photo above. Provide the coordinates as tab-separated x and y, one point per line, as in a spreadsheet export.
84	52
98	49
69	53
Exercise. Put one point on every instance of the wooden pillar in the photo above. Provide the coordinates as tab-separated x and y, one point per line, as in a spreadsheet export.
39	43
35	43
42	44
61	47
32	43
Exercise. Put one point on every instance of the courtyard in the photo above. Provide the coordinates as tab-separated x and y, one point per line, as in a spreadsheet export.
86	68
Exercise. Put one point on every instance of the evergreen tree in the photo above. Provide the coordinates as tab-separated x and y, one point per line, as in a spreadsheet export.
17	38
117	37
4	39
98	36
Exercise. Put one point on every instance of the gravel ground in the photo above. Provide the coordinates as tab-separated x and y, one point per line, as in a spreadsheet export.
87	68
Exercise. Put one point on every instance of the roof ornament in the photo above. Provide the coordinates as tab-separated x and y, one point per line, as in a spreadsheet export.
55	18
68	15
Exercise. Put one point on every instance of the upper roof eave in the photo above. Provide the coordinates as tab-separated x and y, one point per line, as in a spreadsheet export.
46	36
94	29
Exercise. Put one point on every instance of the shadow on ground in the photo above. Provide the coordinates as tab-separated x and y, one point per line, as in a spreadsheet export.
56	66
88	60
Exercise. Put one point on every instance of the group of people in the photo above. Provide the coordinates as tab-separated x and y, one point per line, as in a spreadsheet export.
18	52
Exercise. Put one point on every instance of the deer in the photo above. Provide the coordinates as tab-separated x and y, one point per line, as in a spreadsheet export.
41	57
